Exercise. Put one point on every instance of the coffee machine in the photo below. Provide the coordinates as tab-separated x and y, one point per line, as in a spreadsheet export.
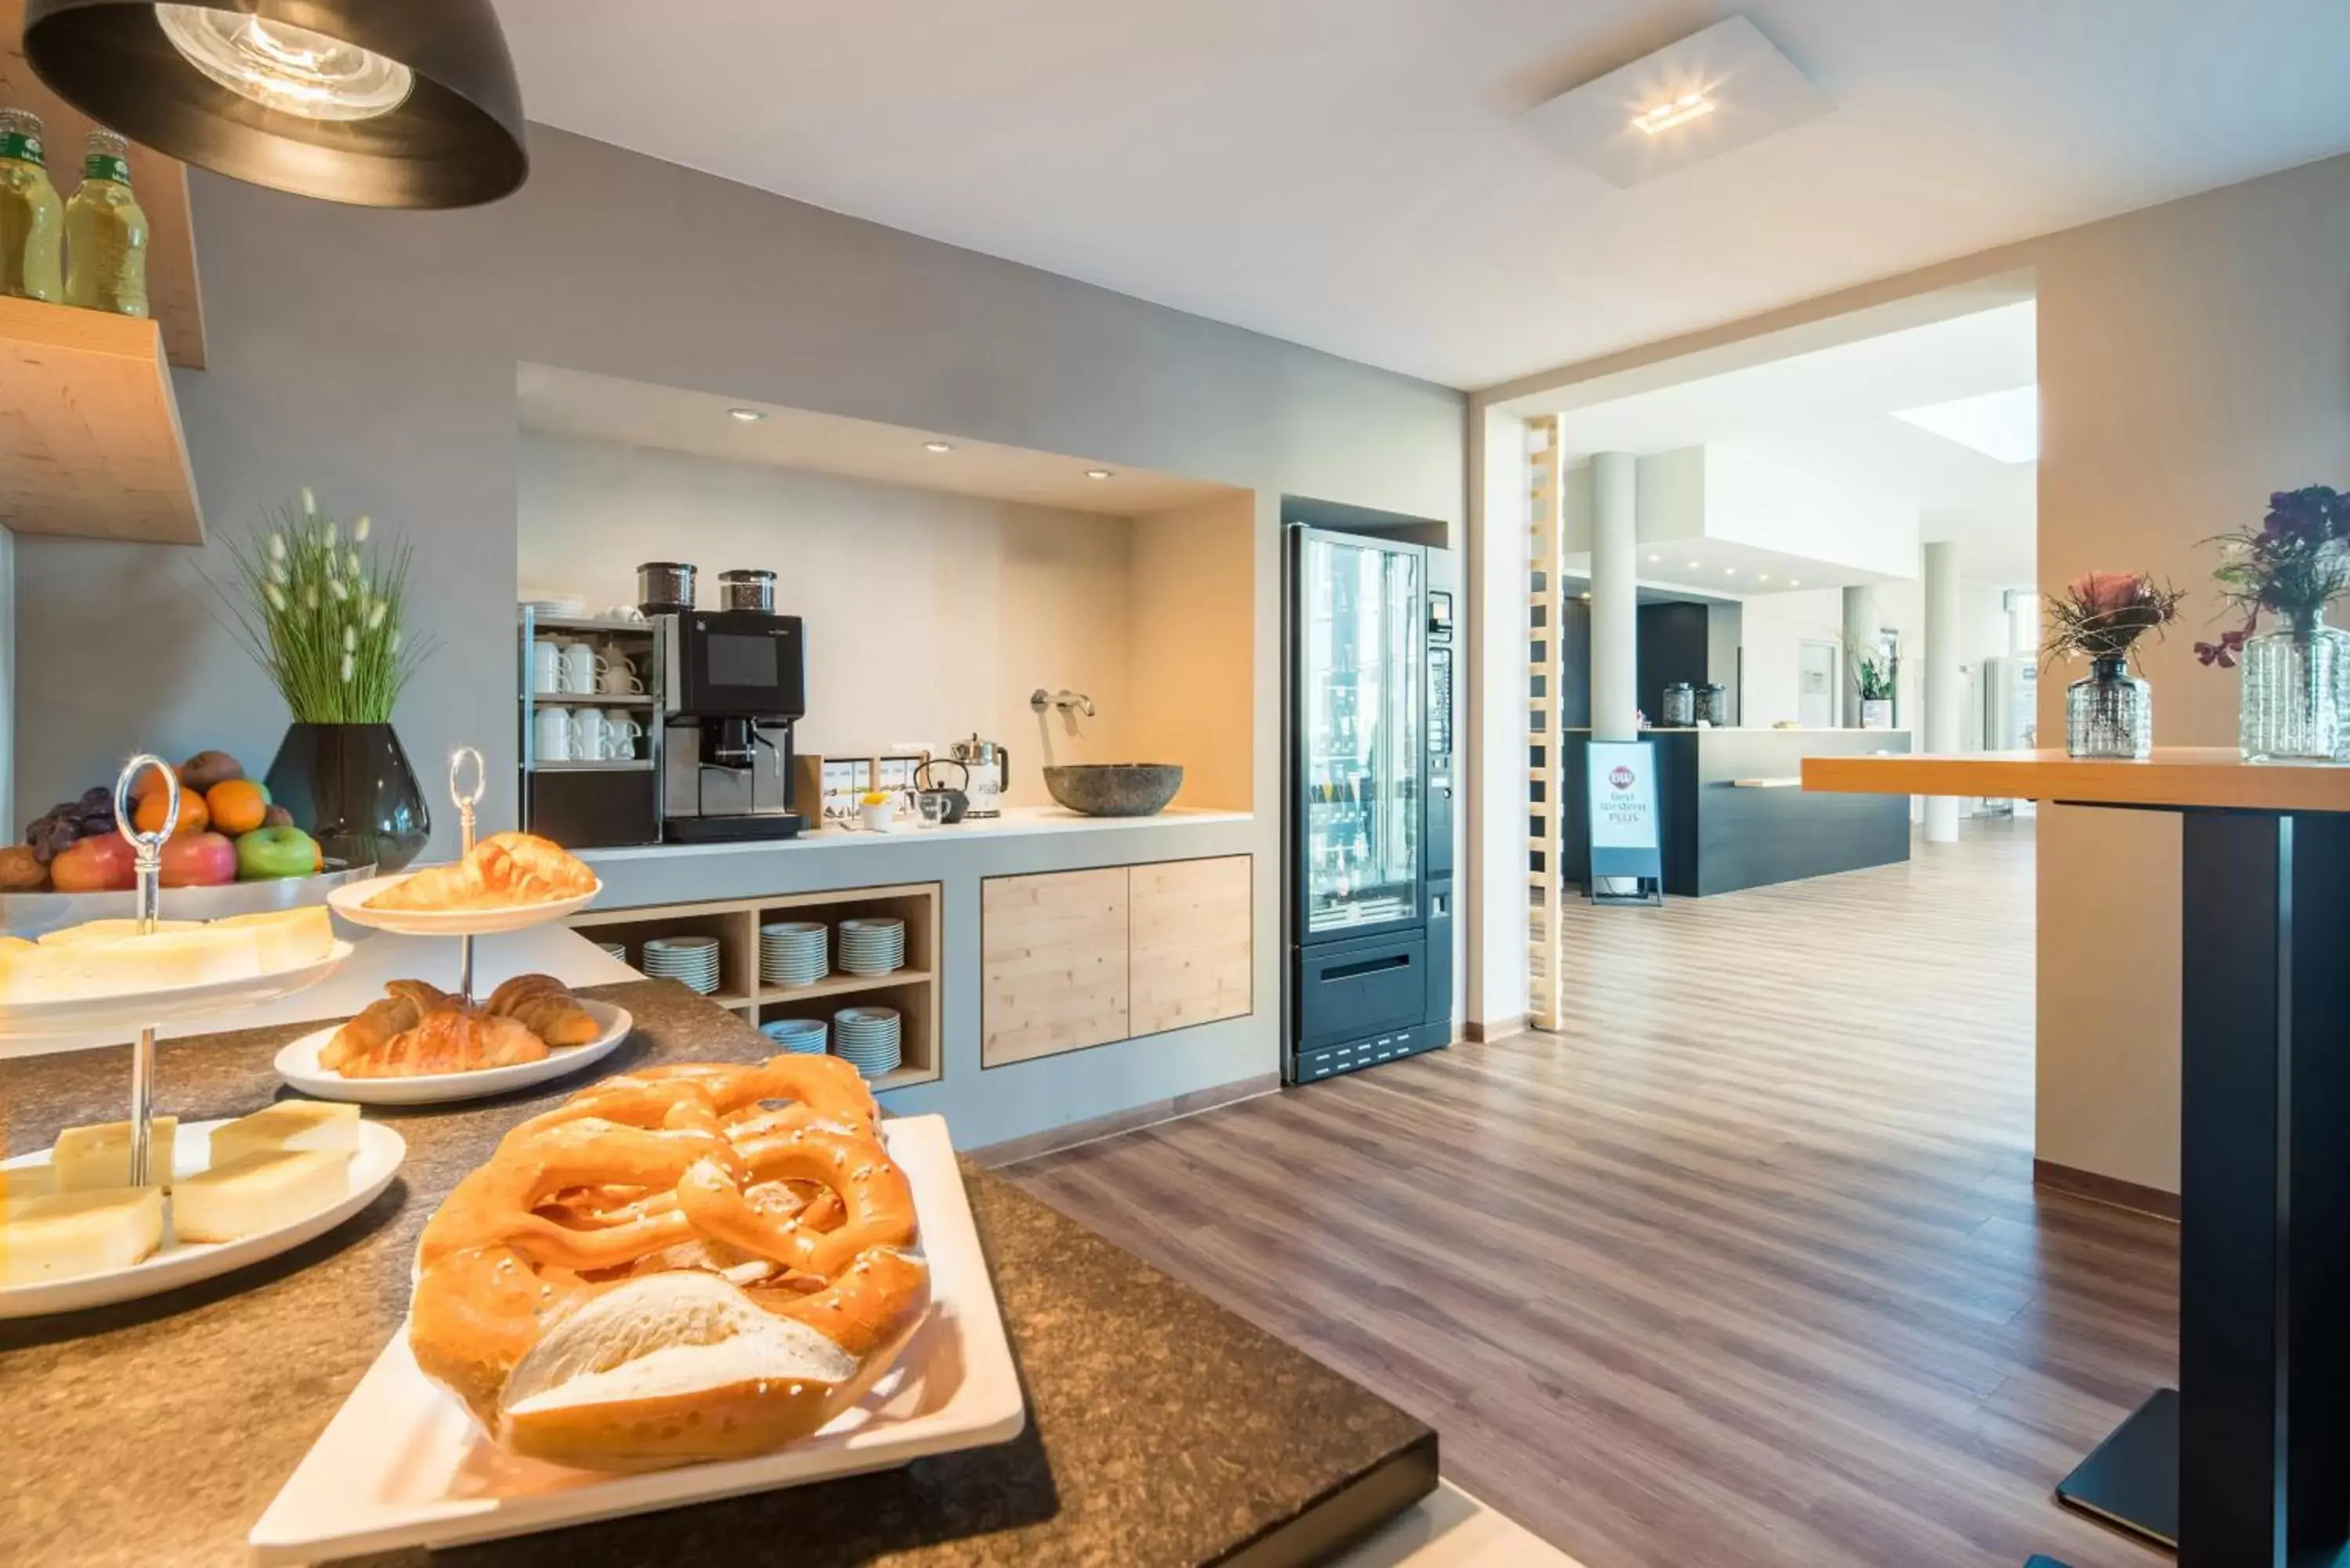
736	684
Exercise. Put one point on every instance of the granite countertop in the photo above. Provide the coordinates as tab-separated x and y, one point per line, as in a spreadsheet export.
1161	1429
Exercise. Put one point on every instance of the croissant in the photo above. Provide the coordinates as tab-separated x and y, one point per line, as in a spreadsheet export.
452	1039
504	869
371	1032
544	1005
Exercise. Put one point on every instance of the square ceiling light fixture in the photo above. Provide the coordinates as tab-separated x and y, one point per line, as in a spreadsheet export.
1712	93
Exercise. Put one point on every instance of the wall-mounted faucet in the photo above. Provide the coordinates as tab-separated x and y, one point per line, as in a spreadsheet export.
1067	704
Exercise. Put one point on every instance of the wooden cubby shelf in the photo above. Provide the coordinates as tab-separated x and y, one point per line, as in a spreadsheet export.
913	990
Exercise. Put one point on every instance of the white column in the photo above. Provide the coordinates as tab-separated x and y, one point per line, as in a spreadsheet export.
1614	601
1860	633
1945	683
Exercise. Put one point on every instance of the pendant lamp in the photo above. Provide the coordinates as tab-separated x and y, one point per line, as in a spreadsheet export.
380	103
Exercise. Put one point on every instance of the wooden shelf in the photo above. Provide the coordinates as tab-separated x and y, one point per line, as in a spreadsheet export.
735	923
90	433
160	183
2175	777
840	985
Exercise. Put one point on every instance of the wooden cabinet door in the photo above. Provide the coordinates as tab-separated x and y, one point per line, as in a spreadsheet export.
1054	956
1190	957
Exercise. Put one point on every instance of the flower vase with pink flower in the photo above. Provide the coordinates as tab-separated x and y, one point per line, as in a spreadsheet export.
2100	617
2295	705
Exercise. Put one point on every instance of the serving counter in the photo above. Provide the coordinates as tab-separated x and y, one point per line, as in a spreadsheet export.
1732	811
1161	1429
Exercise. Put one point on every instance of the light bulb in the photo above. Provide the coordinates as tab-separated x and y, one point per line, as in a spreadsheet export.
748	416
937	446
287	68
1097	473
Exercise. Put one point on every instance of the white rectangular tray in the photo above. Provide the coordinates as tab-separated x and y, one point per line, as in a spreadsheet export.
403	1463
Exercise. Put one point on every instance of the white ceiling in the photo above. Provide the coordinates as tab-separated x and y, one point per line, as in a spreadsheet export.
1833	411
1352	174
672	419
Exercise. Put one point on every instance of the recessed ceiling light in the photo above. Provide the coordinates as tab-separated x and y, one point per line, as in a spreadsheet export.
1795	582
1689	105
1761	577
1654	559
1693	566
748	416
2003	426
1729	571
937	446
1097	473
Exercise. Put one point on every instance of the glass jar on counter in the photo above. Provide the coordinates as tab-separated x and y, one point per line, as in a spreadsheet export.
32	216
1680	705
106	232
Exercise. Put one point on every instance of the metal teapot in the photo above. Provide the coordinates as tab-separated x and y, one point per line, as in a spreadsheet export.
957	798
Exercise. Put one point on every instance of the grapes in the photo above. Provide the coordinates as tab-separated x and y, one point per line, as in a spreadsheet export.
96	798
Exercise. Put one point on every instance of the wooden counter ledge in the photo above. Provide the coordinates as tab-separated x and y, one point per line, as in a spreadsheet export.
2173	778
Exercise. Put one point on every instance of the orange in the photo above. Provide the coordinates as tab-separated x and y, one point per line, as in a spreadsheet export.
194	815
237	805
149	782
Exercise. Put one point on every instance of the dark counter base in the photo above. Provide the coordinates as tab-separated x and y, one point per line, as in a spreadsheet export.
1163	1429
1720	838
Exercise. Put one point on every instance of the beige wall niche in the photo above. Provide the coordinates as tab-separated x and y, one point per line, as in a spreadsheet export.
1193	644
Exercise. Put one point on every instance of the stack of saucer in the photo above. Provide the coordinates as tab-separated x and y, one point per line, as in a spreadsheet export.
791	953
872	947
866	1039
615	949
691	959
562	606
799	1036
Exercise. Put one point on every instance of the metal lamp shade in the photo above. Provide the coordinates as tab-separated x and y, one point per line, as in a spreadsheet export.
456	140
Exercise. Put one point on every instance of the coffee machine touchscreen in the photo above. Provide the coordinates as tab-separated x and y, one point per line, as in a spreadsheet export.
737	661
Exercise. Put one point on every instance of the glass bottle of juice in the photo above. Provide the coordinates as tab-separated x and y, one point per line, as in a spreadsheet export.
32	218
106	232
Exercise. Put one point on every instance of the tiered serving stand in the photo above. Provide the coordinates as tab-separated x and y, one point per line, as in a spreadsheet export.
380	1152
297	1064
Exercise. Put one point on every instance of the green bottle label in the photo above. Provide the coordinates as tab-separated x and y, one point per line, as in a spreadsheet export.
18	144
101	166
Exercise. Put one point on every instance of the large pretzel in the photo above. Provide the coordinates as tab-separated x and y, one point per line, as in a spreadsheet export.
772	1176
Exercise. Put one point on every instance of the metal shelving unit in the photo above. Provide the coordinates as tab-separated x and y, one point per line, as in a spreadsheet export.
642	639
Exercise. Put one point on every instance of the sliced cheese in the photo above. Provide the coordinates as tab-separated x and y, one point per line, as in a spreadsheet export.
25	1183
303	1125
111	931
263	1191
87	1159
74	1233
289	939
116	966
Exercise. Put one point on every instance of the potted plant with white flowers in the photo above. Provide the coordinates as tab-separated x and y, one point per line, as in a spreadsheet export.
320	606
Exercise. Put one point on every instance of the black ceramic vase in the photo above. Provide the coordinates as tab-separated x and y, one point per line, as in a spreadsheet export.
351	785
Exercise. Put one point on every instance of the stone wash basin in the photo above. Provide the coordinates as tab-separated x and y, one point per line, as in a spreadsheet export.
1114	789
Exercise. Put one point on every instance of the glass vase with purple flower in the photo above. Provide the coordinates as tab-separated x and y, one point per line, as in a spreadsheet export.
2101	615
2295	700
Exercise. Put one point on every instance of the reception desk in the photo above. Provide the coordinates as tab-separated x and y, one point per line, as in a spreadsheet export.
1733	812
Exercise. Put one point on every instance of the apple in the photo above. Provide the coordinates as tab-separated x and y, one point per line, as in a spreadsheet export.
268	852
277	815
103	863
199	860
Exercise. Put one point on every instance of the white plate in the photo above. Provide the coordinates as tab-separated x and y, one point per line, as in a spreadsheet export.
372	1169
137	1010
402	1464
351	903
297	1064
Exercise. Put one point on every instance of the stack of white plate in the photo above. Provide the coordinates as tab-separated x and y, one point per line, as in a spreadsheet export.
800	1036
867	1038
791	953
563	609
872	947
615	949
691	959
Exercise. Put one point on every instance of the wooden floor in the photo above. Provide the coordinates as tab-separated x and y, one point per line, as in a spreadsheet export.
1745	1270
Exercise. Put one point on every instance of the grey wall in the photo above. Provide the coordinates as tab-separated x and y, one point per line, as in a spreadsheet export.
371	354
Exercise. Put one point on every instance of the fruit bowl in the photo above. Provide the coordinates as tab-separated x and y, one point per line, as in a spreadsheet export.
35	914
